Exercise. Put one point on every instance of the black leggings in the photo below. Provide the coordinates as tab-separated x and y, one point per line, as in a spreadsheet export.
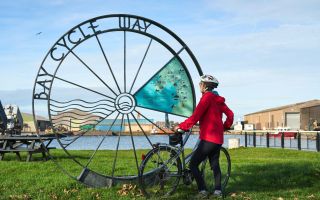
212	151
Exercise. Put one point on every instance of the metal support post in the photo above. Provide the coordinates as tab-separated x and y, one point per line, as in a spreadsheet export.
282	140
245	139
267	139
254	139
299	140
318	142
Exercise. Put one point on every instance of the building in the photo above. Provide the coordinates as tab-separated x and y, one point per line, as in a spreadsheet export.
119	126
73	120
299	116
43	124
28	123
308	117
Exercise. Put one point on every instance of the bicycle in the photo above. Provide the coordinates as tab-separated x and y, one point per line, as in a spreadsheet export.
161	169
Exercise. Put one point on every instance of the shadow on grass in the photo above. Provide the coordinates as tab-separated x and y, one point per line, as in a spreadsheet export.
274	177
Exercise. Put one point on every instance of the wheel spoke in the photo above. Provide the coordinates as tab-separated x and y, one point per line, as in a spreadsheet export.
169	163
75	139
144	133
117	148
92	71
66	145
152	159
104	137
165	112
145	54
134	148
106	59
150	121
75	84
157	159
124	59
174	56
160	159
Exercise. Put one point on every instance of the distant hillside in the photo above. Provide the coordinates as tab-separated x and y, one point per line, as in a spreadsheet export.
29	117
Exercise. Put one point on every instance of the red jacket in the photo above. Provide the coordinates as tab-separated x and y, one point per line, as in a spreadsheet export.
209	113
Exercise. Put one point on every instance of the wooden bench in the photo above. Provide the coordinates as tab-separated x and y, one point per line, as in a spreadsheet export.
29	151
29	144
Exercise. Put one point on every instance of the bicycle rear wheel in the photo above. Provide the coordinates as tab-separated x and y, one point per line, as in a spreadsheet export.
160	172
225	167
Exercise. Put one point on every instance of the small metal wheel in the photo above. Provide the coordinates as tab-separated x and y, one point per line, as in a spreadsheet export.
225	167
160	172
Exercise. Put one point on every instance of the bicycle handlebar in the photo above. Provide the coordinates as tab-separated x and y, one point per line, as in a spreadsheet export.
180	131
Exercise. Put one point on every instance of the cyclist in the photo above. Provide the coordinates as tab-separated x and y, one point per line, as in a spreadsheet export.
209	114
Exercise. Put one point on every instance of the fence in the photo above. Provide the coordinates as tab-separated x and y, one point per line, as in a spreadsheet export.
302	140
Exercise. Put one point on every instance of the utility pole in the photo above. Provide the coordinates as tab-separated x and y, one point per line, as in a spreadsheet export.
167	123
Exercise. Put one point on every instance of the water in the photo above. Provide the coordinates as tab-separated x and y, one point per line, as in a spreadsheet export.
261	141
91	142
110	142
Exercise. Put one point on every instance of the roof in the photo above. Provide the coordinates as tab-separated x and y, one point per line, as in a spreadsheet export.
312	105
304	104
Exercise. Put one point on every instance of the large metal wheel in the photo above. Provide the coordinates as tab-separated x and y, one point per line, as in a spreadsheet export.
111	76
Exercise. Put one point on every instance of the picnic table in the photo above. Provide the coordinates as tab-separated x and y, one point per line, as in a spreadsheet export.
29	143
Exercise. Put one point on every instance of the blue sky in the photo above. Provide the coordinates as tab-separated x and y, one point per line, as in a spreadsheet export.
265	53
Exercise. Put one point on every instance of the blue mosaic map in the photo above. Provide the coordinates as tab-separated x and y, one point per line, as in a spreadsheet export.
169	91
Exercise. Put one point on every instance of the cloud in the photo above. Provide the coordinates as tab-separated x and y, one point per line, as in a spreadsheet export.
262	51
283	11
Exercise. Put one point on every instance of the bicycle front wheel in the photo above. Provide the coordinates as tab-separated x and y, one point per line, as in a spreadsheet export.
225	168
160	172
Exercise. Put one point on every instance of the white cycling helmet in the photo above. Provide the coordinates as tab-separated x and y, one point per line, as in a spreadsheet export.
209	79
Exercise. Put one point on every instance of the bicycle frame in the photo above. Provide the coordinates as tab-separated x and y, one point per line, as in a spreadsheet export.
186	159
180	150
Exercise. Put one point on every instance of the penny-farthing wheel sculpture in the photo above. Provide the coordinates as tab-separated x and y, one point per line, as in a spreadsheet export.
106	81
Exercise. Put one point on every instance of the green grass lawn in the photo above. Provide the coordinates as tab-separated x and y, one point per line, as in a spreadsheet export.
257	173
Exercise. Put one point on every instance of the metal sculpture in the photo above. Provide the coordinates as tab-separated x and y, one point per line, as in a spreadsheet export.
139	69
11	121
